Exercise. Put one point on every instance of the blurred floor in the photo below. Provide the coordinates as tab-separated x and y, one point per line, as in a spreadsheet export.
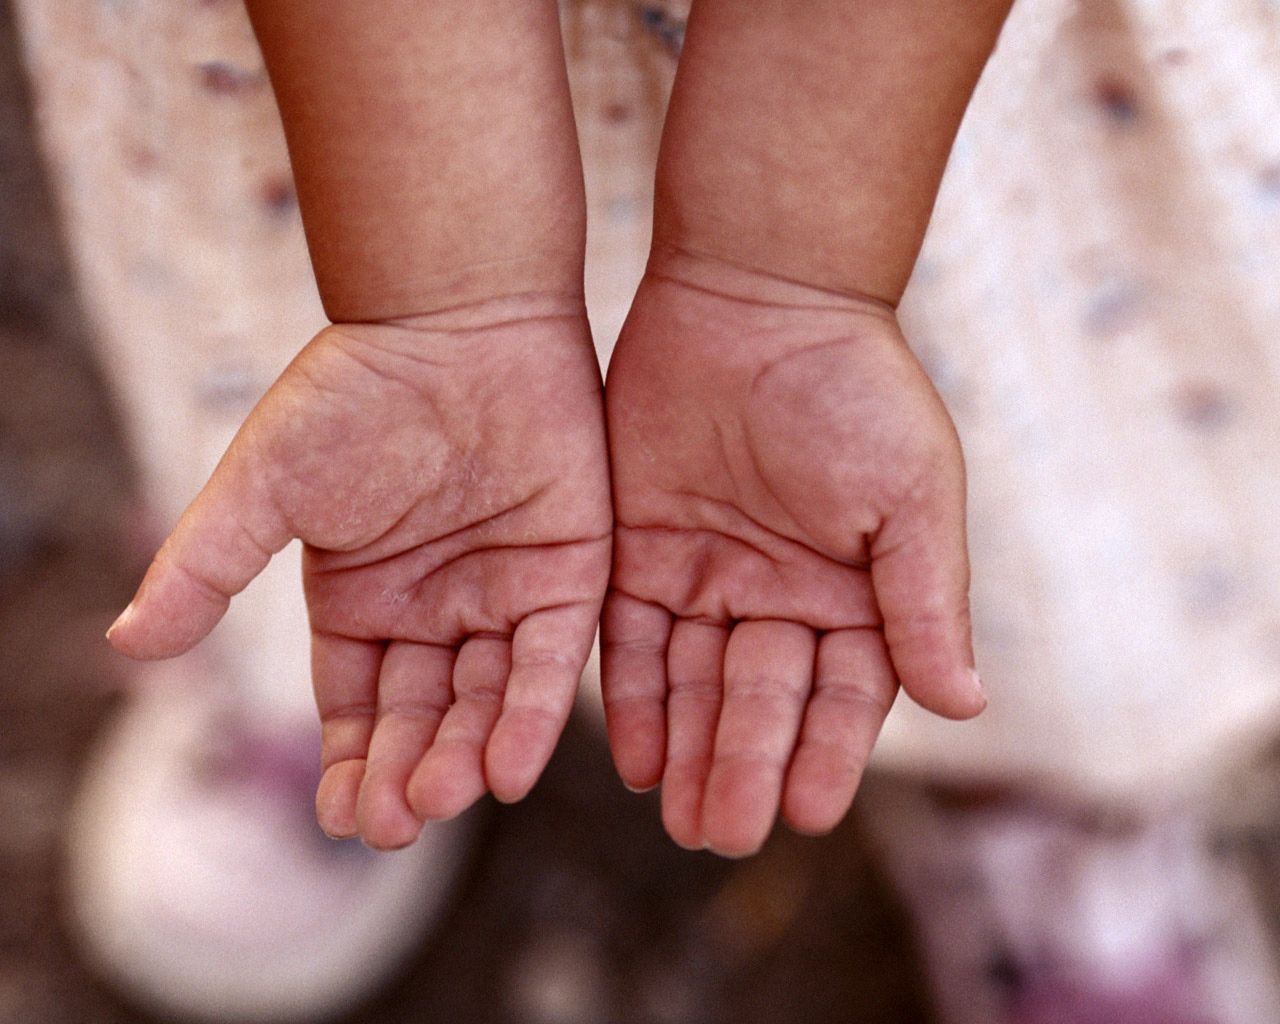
577	909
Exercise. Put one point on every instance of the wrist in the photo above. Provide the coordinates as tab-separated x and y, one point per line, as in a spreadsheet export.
741	278
464	314
811	250
472	292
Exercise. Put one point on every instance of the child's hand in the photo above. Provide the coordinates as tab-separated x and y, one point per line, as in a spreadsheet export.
789	501
449	481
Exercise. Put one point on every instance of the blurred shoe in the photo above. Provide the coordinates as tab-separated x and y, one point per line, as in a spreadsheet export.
201	886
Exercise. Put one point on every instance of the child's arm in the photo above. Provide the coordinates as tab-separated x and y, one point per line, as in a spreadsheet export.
807	140
439	449
788	488
433	147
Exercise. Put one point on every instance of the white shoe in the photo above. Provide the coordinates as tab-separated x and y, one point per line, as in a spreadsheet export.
201	885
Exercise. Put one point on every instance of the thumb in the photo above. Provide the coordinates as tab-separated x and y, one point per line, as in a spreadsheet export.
920	571
224	539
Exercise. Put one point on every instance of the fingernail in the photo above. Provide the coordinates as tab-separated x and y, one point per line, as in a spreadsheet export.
977	685
123	618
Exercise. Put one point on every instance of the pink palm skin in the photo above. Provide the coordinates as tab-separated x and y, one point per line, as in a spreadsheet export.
789	546
448	478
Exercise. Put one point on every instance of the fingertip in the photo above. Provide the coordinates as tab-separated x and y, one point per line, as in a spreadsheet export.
436	793
816	809
958	696
121	633
384	818
738	814
933	659
513	760
809	831
211	555
975	680
689	841
977	695
121	622
680	814
168	617
638	744
387	836
512	789
141	645
336	799
734	847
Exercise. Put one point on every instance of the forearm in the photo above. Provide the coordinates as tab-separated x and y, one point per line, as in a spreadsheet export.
433	149
807	139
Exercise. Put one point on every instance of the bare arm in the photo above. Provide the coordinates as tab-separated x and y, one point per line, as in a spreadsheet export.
807	140
433	147
788	488
439	449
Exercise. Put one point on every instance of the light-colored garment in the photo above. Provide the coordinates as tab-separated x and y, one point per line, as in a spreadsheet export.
1099	302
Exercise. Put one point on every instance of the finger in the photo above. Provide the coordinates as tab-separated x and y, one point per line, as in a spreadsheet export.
853	690
336	798
450	778
344	676
920	571
695	673
768	670
548	651
413	694
633	682
223	540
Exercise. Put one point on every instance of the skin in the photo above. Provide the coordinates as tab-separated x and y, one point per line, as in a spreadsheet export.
433	149
807	141
440	449
457	544
788	487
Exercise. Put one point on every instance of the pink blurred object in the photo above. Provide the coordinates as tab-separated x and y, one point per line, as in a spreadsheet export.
1035	908
1153	1005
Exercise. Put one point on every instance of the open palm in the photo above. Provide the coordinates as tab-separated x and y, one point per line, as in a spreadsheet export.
451	490
789	502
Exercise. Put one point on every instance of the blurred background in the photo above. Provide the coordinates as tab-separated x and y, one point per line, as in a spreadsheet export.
1099	303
